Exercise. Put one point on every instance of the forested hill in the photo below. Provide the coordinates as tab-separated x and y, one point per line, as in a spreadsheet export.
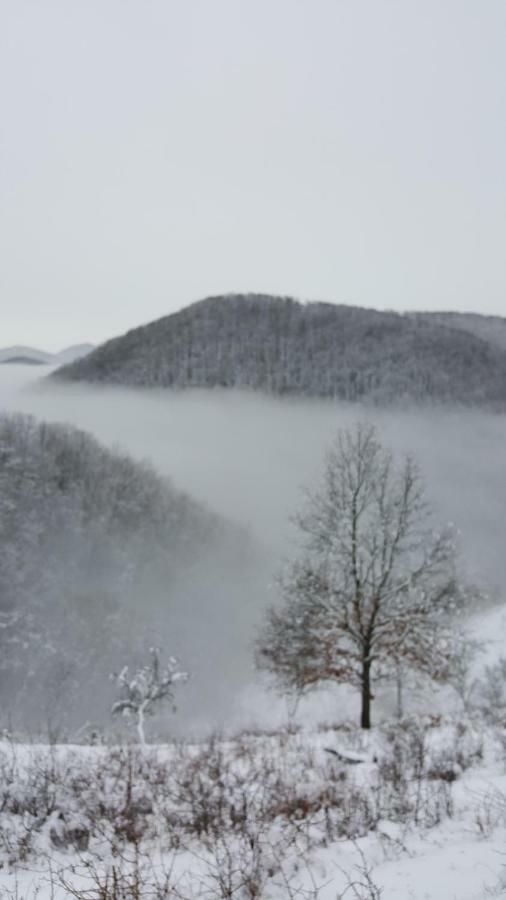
280	346
99	558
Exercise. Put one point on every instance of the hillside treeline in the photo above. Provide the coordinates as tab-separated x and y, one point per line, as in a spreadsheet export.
280	346
98	554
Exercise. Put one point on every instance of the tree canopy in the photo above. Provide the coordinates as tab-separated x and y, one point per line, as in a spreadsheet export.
373	585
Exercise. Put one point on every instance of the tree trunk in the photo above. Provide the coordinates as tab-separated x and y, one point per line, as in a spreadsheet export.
365	719
398	684
140	726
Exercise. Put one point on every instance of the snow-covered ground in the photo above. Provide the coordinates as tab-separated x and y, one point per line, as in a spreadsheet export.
417	813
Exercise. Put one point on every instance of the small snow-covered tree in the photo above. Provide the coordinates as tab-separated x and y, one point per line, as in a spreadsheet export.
374	588
147	689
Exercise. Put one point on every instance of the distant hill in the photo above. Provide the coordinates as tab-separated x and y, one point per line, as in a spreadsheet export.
280	346
77	351
32	356
22	361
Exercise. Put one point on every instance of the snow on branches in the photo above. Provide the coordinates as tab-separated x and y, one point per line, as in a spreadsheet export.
374	586
148	688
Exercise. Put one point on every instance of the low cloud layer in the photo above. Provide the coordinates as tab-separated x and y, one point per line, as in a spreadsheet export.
248	458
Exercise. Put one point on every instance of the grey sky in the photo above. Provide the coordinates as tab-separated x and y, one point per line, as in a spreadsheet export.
157	151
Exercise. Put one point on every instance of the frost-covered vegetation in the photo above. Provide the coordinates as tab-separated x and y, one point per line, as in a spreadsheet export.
280	346
282	815
151	686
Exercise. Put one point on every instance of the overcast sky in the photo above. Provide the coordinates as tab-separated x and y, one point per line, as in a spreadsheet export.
154	152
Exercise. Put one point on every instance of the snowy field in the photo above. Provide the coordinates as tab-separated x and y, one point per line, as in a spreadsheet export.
417	813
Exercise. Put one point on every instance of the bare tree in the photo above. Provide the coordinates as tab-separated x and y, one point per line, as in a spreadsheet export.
373	587
148	688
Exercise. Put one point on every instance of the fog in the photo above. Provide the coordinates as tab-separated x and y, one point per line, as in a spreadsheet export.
248	457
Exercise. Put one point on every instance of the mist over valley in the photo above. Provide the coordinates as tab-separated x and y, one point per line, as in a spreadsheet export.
246	458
